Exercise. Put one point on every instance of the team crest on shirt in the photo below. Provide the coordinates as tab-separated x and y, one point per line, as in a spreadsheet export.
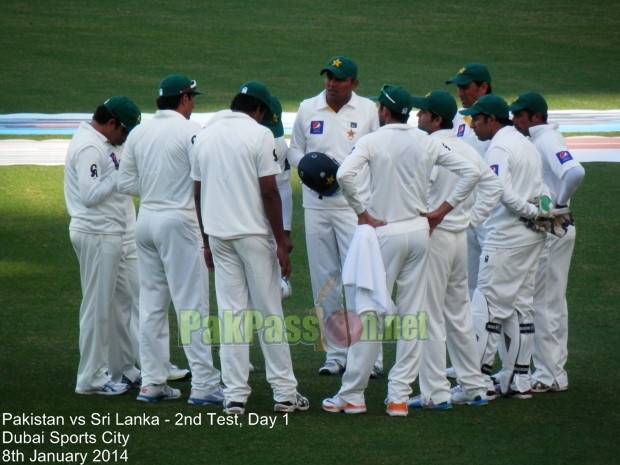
461	130
316	127
495	169
564	156
114	160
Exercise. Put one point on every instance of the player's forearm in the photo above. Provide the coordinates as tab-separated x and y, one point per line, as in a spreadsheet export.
93	193
518	205
286	197
489	191
197	203
128	182
570	182
273	211
293	155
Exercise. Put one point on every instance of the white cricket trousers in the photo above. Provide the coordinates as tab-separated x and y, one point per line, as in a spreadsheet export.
247	277
126	349
171	266
449	320
550	350
328	235
404	255
99	256
474	249
505	294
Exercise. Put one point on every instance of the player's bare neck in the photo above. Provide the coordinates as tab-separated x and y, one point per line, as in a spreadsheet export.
336	106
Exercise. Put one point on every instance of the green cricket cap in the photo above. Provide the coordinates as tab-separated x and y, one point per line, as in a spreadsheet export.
469	73
342	67
531	101
275	121
439	102
259	91
124	111
177	84
489	104
396	98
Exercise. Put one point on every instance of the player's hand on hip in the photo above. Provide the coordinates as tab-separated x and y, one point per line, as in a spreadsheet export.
367	218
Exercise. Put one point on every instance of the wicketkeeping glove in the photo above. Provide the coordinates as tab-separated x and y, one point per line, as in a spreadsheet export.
557	223
563	218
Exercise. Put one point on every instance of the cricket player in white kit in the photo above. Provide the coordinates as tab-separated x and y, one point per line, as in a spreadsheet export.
473	81
156	167
562	174
283	179
234	171
400	159
331	122
449	308
99	222
503	297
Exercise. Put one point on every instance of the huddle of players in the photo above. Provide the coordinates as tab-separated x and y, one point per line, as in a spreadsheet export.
189	201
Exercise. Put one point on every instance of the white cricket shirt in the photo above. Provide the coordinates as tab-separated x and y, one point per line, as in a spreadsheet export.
517	163
442	181
228	158
156	164
318	128
400	159
92	200
556	158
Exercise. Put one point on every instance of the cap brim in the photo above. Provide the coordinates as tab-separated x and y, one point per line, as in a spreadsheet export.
516	107
336	72
195	92
459	80
420	103
278	130
470	111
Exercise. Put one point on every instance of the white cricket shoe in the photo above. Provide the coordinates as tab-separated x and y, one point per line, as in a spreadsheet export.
156	392
178	374
331	367
474	397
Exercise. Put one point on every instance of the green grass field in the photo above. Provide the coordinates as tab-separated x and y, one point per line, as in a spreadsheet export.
39	285
65	56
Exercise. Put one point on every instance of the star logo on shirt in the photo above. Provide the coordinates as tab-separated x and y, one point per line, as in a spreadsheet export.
351	133
336	63
330	180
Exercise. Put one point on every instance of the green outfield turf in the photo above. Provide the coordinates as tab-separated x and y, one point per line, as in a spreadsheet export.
40	294
66	56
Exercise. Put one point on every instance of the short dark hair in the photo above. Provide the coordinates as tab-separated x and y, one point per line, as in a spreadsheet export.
396	115
169	103
489	88
247	104
543	116
445	123
102	115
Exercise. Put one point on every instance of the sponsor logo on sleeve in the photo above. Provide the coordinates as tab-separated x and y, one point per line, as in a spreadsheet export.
564	156
461	130
495	169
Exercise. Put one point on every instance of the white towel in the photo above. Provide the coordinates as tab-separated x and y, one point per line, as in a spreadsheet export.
363	273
